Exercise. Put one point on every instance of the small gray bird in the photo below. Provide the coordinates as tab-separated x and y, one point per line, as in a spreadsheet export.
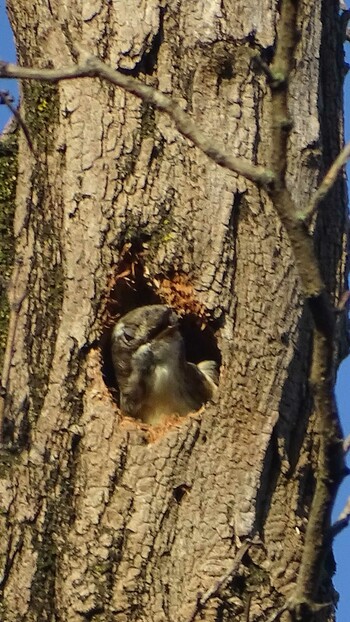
153	376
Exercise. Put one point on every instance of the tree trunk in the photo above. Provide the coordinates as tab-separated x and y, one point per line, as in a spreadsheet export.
102	517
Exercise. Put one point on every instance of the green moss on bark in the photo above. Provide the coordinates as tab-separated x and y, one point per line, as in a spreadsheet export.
41	102
8	181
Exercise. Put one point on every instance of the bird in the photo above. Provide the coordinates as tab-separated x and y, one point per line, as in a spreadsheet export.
154	378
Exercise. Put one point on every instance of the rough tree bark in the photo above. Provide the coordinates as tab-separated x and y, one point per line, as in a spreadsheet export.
102	518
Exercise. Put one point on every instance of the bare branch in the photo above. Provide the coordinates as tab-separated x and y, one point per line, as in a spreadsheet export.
277	614
7	100
346	444
341	523
330	464
300	609
343	301
93	68
16	299
327	183
345	514
217	587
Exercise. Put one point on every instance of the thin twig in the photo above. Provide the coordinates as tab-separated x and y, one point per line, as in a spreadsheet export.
247	608
297	606
339	526
277	614
16	299
217	587
346	444
92	68
327	183
342	521
7	100
343	301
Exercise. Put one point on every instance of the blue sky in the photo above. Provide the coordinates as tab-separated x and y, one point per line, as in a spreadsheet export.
342	544
7	53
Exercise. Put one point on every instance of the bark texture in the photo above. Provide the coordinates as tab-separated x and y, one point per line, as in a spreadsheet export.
100	518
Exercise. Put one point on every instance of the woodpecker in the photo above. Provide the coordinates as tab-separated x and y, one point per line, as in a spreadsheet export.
151	370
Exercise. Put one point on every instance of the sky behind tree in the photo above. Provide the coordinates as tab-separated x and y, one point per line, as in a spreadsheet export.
342	543
7	53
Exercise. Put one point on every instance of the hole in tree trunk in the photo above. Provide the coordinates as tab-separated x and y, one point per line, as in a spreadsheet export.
133	287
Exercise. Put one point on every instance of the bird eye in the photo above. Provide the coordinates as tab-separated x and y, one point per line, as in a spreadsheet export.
128	334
